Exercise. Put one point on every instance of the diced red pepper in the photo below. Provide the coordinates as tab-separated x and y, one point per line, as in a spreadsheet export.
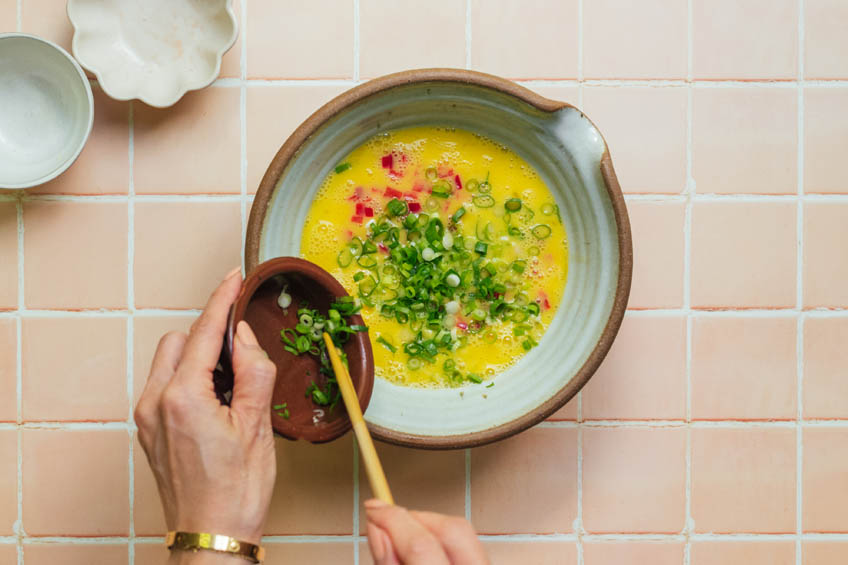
383	248
414	207
369	212
360	208
462	325
393	192
458	182
418	188
388	161
356	219
357	194
543	300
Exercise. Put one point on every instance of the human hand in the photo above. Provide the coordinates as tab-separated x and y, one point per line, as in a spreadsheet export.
214	465
400	536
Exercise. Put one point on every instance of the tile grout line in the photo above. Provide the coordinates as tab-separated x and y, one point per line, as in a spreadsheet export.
799	327
19	15
131	319
19	527
689	190
578	521
243	127
468	34
356	46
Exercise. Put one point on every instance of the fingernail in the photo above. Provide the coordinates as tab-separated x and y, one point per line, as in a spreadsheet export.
375	504
234	272
245	334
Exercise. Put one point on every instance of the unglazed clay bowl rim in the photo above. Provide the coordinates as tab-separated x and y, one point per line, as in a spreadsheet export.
572	146
362	374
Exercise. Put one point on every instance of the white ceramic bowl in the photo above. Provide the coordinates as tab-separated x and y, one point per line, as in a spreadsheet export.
46	110
152	50
567	151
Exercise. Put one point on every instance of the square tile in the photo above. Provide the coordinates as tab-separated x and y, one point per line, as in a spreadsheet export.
178	259
511	40
744	368
412	34
658	250
323	501
148	515
825	267
744	254
147	332
420	479
825	39
340	553
526	484
825	476
151	553
76	255
747	552
74	369
825	140
103	167
743	480
8	481
632	553
825	368
231	61
824	552
8	19
726	46
9	251
266	135
745	140
644	375
645	129
634	480
192	147
47	19
8	369
536	552
649	39
75	483
76	554
319	32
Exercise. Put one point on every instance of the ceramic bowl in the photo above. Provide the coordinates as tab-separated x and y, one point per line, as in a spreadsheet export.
46	110
569	153
155	50
257	304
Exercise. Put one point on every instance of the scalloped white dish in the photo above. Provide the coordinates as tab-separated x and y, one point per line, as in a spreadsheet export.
152	50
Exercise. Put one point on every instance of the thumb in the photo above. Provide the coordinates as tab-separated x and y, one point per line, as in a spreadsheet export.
255	375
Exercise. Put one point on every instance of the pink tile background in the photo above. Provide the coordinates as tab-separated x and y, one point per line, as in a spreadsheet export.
714	432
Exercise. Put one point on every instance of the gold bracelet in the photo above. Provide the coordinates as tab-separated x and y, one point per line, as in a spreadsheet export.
191	541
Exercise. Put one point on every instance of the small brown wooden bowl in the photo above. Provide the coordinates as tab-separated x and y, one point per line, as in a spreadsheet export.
257	305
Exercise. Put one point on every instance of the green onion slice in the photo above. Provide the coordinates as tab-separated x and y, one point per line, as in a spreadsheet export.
541	231
345	258
513	205
342	167
483	200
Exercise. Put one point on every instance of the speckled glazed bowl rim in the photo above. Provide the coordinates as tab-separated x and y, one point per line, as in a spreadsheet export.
379	85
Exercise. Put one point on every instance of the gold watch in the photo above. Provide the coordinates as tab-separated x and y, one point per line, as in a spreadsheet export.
192	541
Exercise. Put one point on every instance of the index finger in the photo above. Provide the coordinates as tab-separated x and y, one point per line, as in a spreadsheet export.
203	347
457	536
412	542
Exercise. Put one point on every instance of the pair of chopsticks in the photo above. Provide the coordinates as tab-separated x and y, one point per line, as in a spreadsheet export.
376	476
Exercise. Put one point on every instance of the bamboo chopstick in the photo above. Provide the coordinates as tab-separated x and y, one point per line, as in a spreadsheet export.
373	468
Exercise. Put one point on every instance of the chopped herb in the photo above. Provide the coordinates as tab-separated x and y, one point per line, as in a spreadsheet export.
490	385
342	167
386	344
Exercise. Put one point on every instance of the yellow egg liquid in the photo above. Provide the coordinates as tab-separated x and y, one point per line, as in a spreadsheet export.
526	249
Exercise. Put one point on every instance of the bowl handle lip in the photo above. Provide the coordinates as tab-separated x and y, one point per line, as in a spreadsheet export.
326	112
